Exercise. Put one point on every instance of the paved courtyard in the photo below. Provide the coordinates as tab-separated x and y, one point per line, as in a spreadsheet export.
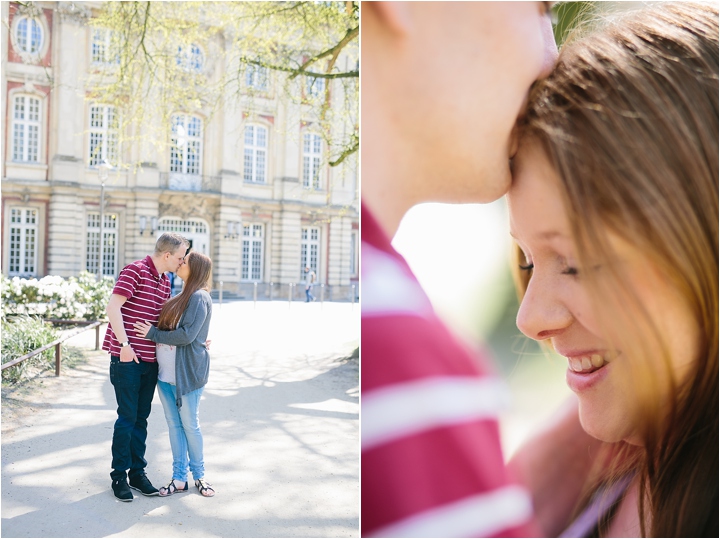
280	418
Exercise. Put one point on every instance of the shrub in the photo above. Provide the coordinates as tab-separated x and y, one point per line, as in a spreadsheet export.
81	297
20	336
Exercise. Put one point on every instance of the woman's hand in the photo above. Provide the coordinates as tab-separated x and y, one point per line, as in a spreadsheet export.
142	328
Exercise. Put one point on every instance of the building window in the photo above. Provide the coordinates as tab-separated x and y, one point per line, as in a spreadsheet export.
252	252
314	87
186	148
255	162
189	58
23	242
29	35
256	77
312	153
309	250
26	129
104	47
353	253
103	135
109	246
182	226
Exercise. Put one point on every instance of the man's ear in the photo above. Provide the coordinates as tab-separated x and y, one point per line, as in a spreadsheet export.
395	16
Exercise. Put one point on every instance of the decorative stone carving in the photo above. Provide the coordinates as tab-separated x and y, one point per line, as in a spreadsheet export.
73	12
186	207
29	9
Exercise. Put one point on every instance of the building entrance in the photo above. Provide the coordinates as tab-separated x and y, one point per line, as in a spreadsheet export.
195	230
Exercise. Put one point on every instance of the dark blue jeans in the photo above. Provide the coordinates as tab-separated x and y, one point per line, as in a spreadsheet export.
134	385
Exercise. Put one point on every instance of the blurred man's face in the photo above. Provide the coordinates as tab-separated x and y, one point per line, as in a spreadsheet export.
173	261
467	69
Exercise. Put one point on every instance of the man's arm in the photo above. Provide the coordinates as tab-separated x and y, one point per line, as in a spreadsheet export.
192	322
555	465
116	323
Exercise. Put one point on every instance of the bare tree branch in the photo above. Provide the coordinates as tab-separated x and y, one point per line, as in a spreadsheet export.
351	34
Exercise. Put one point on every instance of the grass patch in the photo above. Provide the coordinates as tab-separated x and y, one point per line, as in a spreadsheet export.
23	334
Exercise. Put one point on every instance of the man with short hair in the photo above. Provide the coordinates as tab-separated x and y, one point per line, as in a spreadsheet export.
443	84
139	294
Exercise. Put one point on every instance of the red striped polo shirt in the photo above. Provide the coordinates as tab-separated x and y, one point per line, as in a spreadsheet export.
432	465
147	291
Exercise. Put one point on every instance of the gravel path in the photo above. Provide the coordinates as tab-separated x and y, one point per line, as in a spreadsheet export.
280	418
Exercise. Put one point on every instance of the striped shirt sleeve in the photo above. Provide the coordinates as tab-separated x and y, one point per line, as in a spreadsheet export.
432	464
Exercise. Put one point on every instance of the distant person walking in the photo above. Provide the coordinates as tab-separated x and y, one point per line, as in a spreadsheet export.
171	276
184	367
310	278
140	292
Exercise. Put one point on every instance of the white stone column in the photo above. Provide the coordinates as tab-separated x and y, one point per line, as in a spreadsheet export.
339	255
286	247
69	138
65	233
226	258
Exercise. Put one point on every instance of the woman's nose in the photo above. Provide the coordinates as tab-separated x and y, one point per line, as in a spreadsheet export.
542	313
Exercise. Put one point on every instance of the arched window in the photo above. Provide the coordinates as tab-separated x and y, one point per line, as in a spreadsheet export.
255	161
29	35
26	129
196	231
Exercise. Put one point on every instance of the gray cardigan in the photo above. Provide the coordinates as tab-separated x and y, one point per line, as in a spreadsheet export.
192	359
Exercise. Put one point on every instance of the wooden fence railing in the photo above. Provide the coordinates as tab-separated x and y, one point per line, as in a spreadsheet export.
58	345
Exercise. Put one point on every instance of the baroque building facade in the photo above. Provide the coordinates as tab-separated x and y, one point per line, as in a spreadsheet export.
248	185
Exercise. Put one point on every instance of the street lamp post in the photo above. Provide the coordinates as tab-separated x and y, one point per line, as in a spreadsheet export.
103	175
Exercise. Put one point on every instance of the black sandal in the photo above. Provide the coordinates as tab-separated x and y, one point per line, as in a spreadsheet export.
204	487
171	488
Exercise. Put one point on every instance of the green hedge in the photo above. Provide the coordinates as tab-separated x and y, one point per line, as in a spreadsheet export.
21	335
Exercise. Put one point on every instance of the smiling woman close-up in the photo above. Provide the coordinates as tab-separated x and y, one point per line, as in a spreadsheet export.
614	208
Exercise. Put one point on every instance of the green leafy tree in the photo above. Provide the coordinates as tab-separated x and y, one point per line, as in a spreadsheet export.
161	57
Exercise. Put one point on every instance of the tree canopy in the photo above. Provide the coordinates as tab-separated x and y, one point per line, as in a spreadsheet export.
155	58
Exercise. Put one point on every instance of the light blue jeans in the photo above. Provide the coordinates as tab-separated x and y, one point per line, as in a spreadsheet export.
184	429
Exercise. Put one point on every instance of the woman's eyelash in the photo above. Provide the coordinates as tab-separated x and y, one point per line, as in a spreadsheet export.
566	271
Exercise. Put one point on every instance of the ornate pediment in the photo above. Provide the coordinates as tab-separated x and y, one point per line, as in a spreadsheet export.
186	206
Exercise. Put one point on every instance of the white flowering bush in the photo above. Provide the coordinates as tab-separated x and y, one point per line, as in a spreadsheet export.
76	298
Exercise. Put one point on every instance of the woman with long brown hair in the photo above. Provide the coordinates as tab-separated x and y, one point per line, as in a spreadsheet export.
614	208
183	369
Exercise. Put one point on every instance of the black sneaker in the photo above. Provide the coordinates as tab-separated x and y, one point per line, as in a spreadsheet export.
142	483
122	491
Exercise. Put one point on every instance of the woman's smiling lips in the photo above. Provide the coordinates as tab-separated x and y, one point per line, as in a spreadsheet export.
587	368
